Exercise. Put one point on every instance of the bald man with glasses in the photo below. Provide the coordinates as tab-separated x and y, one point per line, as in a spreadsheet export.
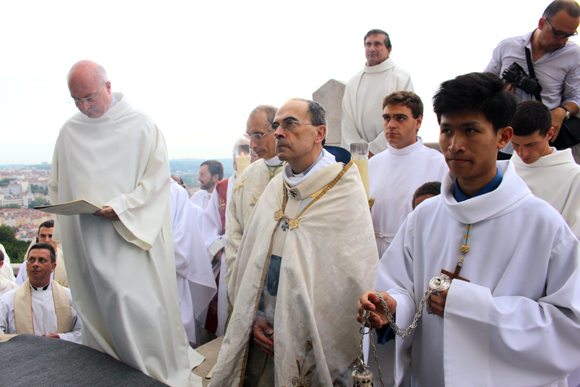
120	260
555	59
252	182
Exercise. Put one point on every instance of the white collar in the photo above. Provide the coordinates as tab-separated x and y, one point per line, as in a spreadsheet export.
511	193
325	159
274	161
417	145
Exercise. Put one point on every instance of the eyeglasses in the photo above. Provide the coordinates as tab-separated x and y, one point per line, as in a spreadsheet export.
79	102
289	124
258	136
560	34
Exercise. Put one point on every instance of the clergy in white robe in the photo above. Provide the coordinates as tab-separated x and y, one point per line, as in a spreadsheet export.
517	321
45	233
256	177
246	193
513	324
396	173
59	274
195	282
307	249
120	263
550	174
43	315
364	93
40	306
210	173
556	179
6	270
201	198
5	284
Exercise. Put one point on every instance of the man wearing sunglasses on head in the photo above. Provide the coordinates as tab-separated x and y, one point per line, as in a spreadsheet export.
555	63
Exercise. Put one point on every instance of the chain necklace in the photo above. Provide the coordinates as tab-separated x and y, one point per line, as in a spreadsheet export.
272	169
362	375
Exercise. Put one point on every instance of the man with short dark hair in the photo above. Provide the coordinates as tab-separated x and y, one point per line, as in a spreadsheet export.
506	307
306	252
45	233
361	104
426	191
40	306
550	174
395	174
556	61
179	180
210	173
5	284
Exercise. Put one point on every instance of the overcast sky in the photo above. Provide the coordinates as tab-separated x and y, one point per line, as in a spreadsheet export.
198	68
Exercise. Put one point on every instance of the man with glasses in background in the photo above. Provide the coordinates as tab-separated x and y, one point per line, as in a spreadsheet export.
556	63
253	180
307	248
120	260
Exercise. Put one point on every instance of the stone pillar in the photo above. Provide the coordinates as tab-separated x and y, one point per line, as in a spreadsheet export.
330	95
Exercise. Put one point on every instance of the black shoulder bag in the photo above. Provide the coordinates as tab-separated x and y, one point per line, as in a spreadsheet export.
570	130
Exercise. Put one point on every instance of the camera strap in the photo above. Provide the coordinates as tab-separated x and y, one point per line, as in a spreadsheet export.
532	72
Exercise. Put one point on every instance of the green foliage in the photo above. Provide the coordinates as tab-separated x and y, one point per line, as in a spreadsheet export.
14	205
4	182
34	188
37	202
14	248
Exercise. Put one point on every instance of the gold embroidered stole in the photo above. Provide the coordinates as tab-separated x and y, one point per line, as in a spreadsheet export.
60	272
23	309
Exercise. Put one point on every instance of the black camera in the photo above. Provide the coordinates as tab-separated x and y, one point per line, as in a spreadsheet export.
517	76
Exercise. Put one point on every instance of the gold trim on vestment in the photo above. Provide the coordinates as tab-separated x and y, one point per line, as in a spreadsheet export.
294	222
23	319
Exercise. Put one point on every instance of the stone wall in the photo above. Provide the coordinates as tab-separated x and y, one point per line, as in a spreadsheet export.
330	95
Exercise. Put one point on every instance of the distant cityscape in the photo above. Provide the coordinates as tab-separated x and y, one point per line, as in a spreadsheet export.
22	187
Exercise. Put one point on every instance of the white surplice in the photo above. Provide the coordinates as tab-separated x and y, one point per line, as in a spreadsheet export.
122	273
245	195
195	282
362	103
517	323
326	262
6	270
556	179
201	198
394	176
43	314
213	236
6	285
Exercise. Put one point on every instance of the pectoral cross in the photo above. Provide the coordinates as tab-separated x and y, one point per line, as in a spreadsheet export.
464	250
455	274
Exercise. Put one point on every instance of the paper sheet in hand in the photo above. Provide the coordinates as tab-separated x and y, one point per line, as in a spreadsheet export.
76	207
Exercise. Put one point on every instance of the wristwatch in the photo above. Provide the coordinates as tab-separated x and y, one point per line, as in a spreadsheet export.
567	112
